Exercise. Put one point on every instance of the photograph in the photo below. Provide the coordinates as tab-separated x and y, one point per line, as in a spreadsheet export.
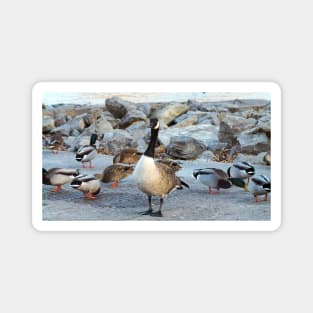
150	156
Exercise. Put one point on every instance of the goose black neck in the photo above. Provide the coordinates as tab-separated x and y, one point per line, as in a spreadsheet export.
153	140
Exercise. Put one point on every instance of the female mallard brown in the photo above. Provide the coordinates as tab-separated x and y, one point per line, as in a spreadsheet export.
56	143
155	178
87	153
127	156
88	184
213	178
58	177
114	173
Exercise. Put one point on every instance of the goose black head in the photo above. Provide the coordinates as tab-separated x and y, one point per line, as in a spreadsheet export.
154	123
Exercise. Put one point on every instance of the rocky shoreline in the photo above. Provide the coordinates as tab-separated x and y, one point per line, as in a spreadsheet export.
221	131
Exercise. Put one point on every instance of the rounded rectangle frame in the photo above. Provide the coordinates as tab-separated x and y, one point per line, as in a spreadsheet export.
267	87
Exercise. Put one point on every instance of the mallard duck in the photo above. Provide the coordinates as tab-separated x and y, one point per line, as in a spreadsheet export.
88	184
213	178
87	153
114	173
127	156
56	142
58	177
241	170
155	178
258	185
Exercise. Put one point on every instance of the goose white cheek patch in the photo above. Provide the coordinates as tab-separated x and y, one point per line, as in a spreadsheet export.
210	128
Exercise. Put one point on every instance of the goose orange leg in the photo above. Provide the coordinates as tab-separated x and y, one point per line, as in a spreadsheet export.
256	199
266	198
90	165
57	189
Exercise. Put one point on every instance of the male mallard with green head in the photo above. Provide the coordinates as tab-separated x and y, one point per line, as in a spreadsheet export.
258	185
213	178
58	177
56	143
154	178
241	170
87	153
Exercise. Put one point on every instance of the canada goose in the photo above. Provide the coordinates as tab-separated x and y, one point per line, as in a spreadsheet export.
155	178
241	170
88	184
56	143
213	178
258	185
127	156
114	173
58	177
87	153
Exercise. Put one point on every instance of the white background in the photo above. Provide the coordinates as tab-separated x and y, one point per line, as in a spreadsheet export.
159	40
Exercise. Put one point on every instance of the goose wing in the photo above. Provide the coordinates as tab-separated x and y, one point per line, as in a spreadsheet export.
168	179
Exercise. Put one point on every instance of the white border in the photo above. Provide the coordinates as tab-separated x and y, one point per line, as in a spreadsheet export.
270	87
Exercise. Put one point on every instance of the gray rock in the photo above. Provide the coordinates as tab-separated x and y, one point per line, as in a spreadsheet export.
239	124
254	143
60	120
77	123
74	132
206	155
226	134
185	148
144	108
253	159
132	117
168	113
193	119
47	124
102	125
204	133
236	105
116	140
111	119
267	158
138	130
118	107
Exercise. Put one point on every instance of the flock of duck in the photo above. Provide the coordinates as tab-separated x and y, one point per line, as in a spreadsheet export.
153	177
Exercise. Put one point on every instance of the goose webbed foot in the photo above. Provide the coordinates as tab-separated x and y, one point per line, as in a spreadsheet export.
148	212
157	213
